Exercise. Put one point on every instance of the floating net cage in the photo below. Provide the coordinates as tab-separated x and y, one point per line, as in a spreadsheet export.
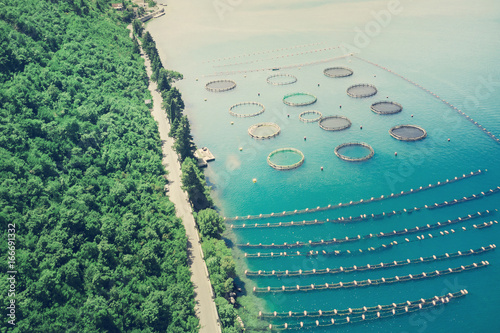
310	116
386	107
354	151
264	130
246	109
408	132
220	85
335	123
281	79
299	99
338	72
361	90
285	159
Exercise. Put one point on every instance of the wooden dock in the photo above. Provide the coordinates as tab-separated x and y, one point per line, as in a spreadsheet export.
203	155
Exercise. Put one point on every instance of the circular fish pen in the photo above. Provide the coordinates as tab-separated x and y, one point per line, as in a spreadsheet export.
220	85
281	79
361	90
408	132
337	72
385	108
264	130
285	159
299	99
335	123
246	109
354	151
310	116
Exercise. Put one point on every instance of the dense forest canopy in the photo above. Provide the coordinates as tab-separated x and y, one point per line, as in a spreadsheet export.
98	246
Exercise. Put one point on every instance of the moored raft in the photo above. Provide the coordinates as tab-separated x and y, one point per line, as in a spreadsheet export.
365	283
367	267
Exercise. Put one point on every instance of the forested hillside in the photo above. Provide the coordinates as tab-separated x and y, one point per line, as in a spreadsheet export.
98	247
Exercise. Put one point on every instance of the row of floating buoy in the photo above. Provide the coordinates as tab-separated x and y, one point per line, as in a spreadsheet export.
278	57
262	52
369	282
368	267
352	203
382	247
362	217
368	236
492	136
358	311
352	319
298	66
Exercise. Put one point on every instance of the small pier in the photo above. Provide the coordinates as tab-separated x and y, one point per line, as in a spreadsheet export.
203	155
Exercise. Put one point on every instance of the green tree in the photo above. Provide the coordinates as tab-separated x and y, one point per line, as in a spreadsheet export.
193	182
210	223
184	145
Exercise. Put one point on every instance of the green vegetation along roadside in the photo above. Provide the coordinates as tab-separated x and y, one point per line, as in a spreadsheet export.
97	245
233	311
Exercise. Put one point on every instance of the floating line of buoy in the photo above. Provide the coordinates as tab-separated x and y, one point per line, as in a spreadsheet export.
382	247
374	282
278	57
363	217
492	136
356	311
370	316
361	268
262	52
356	238
322	61
353	203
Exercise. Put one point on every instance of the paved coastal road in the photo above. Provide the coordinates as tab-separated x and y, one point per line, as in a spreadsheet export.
205	306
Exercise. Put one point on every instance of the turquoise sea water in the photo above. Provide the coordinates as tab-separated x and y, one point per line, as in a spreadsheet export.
451	48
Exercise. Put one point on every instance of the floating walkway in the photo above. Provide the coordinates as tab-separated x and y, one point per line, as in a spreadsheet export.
372	315
361	268
365	217
497	140
357	311
367	283
393	233
382	247
354	203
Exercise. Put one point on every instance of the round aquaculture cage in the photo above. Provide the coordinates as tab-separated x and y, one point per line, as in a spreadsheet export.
246	109
281	79
335	123
354	151
299	99
310	116
285	159
386	107
408	132
338	72
220	85
264	130
361	90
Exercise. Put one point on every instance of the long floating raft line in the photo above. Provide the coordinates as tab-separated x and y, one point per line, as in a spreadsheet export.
357	318
354	203
356	238
362	268
367	283
365	217
382	247
357	311
492	136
